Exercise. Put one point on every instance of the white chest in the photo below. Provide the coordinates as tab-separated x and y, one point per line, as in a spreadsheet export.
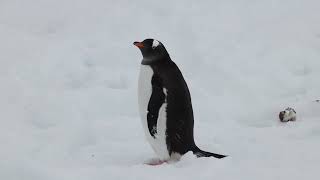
158	143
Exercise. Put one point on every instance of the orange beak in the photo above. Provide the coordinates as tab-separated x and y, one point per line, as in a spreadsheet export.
138	44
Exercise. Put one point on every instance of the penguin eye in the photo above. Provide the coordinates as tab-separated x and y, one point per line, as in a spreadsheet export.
155	44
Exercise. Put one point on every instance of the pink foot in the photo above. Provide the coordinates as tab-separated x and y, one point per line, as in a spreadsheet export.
155	162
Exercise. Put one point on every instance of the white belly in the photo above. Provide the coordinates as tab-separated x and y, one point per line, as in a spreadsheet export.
144	93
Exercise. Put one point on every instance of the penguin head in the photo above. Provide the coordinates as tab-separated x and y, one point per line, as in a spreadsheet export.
152	51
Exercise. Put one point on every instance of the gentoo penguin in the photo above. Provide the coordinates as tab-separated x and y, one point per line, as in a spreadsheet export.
165	104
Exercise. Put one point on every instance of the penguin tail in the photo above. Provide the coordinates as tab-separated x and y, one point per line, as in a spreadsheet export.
200	153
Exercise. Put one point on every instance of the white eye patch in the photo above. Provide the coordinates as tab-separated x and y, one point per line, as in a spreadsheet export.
155	44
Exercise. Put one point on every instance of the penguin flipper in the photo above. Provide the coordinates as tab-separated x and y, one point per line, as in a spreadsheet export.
200	153
156	100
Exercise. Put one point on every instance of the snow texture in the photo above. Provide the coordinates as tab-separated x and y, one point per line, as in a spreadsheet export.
69	77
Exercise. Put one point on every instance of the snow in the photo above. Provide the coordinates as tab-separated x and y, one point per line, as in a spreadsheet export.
69	75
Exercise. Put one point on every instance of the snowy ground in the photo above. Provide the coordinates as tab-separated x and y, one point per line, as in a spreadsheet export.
68	80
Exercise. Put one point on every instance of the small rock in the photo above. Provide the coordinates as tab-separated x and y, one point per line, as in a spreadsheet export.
288	114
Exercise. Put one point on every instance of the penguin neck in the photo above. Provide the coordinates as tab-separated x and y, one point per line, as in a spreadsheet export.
153	60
